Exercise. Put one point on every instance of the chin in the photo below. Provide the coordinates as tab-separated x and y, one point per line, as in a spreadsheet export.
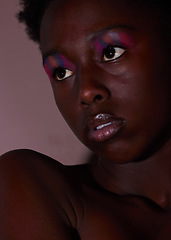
122	153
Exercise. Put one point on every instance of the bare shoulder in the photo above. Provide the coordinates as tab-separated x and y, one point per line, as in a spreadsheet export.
27	163
38	198
29	167
23	157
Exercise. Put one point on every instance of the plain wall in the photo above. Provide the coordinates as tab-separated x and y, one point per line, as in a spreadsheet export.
28	115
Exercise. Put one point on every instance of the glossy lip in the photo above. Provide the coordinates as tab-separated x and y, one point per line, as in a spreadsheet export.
102	127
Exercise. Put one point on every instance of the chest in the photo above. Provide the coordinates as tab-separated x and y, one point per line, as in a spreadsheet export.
123	219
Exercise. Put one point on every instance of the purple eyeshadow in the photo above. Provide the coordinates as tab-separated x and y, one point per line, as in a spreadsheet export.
100	45
112	38
55	61
126	40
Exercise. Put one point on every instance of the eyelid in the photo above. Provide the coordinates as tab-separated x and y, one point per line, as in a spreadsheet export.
53	62
122	39
69	73
119	51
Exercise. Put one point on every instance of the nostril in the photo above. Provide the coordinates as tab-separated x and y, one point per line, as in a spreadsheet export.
91	96
84	103
98	97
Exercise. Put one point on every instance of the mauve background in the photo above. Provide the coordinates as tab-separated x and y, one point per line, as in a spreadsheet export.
29	117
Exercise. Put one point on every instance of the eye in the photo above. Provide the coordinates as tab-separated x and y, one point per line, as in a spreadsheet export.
62	73
111	53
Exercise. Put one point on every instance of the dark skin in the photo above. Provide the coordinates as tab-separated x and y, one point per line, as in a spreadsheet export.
125	192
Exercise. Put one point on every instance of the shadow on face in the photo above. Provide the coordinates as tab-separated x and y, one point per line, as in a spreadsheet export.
109	58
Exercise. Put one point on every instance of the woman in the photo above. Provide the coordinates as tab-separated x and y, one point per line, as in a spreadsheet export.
108	64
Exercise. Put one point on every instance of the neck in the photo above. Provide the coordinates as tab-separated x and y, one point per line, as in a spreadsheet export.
150	178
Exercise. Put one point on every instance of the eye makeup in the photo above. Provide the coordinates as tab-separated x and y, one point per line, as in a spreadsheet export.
52	62
112	38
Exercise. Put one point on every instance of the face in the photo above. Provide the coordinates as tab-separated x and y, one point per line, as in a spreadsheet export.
109	70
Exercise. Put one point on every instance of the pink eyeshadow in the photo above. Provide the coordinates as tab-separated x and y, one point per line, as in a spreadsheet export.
112	38
54	61
98	47
67	63
121	39
48	71
126	39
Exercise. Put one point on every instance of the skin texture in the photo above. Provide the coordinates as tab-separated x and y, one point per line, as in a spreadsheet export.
125	192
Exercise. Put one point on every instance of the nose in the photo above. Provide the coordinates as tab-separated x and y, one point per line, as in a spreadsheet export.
92	88
89	96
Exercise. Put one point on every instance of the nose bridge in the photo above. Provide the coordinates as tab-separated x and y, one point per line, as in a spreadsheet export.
92	88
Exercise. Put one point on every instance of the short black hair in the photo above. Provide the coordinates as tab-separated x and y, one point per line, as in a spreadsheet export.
31	15
32	12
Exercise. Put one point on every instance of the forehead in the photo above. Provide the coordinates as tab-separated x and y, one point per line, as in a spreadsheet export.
68	21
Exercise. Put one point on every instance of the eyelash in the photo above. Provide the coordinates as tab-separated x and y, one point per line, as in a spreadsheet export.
114	52
118	52
67	73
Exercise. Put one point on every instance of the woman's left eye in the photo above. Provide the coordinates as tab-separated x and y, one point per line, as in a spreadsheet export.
111	53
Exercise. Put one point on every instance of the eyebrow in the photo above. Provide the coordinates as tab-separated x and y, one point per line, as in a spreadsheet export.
89	38
106	29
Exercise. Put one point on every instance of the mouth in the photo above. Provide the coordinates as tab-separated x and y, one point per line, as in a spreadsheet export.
102	127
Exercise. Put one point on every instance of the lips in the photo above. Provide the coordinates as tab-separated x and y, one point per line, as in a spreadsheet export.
102	127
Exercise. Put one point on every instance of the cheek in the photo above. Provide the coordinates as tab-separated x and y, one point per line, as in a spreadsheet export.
147	99
65	103
61	100
138	86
